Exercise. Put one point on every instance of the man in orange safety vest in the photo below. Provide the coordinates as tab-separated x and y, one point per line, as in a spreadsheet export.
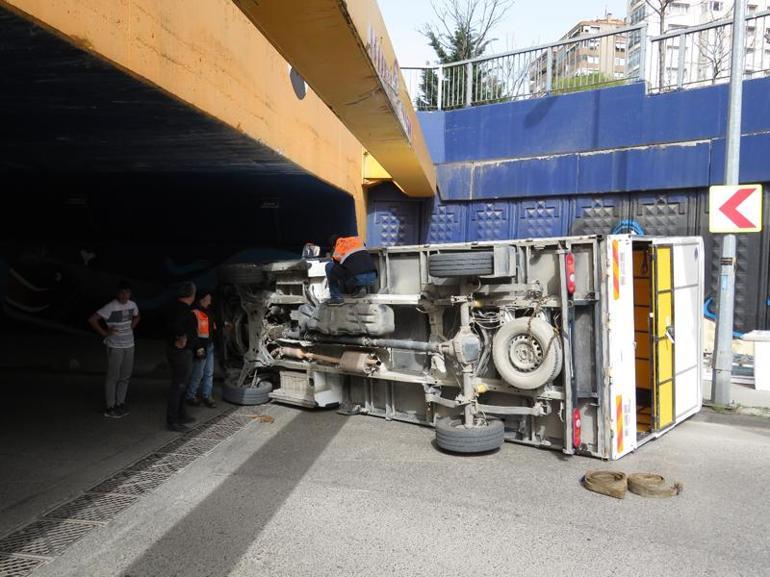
351	268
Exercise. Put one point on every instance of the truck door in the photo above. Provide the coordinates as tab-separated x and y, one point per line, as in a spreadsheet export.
663	336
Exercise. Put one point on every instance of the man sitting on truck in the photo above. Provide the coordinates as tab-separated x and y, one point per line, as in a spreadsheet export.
351	269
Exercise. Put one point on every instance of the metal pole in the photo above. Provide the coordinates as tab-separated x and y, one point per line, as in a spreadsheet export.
549	71
469	84
440	95
643	54
680	63
723	342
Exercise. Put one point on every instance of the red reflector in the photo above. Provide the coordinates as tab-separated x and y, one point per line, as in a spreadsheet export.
576	424
570	265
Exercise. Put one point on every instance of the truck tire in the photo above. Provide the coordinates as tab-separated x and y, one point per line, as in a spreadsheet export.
241	273
258	395
456	264
527	353
453	436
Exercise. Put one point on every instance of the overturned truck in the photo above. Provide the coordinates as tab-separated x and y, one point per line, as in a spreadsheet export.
589	345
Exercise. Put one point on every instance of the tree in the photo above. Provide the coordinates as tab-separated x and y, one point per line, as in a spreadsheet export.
660	7
714	49
462	31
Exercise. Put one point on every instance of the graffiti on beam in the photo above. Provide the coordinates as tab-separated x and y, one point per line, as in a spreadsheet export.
390	76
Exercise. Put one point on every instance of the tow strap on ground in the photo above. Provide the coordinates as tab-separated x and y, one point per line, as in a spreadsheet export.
615	484
652	485
610	483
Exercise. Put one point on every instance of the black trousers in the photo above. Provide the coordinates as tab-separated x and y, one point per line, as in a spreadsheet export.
181	363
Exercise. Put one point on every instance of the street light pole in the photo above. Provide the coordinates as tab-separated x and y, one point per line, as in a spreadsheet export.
723	342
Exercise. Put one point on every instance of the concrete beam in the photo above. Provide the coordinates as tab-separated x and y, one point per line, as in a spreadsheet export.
211	57
343	51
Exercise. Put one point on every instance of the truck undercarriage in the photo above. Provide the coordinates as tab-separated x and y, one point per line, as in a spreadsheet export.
486	341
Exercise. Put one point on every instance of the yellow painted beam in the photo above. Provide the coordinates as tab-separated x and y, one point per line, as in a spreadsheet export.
208	55
343	51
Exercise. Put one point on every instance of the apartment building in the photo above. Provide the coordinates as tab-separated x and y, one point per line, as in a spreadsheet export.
706	54
603	57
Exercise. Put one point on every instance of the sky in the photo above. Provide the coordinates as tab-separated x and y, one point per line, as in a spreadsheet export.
529	22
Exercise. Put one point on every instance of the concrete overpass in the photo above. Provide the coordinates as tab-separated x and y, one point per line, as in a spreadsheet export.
158	88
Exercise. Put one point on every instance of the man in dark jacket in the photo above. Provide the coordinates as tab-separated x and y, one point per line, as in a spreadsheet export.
181	345
351	268
203	367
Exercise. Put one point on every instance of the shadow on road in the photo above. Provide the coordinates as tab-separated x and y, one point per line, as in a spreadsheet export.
213	537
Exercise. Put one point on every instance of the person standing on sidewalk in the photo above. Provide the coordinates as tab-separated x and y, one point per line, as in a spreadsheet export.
181	346
116	322
203	368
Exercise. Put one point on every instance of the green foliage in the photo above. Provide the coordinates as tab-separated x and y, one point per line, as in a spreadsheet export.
584	82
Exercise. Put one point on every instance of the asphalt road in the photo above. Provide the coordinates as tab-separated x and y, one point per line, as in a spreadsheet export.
320	494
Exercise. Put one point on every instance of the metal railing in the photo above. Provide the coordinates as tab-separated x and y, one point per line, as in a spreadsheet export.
691	57
700	55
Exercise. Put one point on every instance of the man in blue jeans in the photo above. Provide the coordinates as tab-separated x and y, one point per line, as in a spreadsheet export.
351	268
203	367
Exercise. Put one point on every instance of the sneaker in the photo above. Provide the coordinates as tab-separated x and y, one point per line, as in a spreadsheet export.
335	302
121	410
187	419
194	402
209	402
112	413
178	427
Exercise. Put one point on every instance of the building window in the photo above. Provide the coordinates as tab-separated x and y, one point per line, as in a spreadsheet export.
717	6
679	8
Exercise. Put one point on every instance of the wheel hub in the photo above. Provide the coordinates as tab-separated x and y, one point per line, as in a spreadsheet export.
525	353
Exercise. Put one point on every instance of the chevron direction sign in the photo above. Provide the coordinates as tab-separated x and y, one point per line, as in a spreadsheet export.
735	209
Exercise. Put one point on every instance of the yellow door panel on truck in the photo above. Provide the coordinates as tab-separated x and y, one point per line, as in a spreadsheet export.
663	313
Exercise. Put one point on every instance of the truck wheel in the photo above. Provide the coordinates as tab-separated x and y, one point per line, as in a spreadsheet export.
453	436
527	353
258	395
472	263
241	273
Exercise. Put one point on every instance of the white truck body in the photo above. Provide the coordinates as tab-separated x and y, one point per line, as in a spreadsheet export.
589	345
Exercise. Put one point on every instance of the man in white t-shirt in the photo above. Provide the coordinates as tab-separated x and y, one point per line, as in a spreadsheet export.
116	322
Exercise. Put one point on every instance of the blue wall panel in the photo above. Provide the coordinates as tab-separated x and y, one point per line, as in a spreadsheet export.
454	181
446	222
521	178
432	125
542	218
394	222
755	158
611	140
490	221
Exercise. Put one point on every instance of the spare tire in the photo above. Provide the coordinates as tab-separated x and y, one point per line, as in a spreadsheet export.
452	435
258	395
241	273
455	264
527	353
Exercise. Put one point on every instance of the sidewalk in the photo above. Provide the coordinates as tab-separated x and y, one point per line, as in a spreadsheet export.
743	394
55	441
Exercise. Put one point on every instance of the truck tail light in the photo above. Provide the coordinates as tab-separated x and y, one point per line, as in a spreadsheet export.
570	265
576	424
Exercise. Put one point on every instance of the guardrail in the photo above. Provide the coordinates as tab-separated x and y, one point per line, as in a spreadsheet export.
690	57
701	55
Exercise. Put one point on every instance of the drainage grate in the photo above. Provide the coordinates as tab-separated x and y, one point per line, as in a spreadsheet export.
100	508
45	538
132	483
188	446
28	548
12	566
218	431
163	463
